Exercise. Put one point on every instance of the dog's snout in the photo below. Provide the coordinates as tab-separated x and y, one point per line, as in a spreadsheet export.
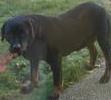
16	46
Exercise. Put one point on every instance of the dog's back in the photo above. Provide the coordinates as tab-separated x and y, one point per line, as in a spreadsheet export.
76	28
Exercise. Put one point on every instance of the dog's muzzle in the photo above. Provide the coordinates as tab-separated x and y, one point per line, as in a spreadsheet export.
16	48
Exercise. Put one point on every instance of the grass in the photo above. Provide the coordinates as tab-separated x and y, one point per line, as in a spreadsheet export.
73	65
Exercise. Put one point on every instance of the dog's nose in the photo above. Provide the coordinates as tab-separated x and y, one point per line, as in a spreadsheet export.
16	46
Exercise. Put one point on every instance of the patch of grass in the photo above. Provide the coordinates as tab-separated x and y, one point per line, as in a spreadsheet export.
8	84
10	80
74	67
49	7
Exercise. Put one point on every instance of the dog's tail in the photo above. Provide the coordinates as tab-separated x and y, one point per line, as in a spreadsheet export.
104	37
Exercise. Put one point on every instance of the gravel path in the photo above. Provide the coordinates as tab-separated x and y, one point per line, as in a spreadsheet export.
89	88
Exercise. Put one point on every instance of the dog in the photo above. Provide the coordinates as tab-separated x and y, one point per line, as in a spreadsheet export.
49	38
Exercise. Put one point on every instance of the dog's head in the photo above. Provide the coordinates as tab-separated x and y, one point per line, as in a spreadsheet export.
16	32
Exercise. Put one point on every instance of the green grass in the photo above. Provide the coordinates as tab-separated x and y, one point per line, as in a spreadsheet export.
72	65
11	8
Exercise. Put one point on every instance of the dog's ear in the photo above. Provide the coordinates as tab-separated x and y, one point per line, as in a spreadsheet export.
3	32
29	28
34	28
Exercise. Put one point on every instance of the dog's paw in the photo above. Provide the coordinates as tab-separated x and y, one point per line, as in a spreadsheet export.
26	88
89	66
53	97
56	93
104	79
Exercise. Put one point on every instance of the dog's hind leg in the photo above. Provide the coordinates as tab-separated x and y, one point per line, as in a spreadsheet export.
93	56
106	48
104	42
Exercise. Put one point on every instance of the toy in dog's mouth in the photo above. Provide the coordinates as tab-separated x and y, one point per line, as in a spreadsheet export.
9	56
5	59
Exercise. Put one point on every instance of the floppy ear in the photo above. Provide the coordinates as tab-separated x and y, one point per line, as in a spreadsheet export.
3	32
35	29
32	28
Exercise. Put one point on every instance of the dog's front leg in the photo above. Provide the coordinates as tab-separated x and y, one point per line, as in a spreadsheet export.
29	84
34	73
55	63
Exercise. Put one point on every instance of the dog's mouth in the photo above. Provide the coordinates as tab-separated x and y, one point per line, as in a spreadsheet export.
15	50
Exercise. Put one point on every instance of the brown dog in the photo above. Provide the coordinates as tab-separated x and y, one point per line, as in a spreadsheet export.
39	37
